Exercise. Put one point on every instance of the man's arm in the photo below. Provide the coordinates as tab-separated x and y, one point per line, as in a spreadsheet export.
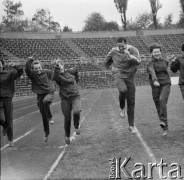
17	72
108	60
55	76
49	73
134	55
151	71
28	68
60	79
75	72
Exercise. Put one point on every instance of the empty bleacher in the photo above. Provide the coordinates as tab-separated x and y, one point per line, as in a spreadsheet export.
171	43
92	73
99	47
45	49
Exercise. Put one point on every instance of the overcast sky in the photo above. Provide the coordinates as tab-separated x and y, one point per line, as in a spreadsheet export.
73	12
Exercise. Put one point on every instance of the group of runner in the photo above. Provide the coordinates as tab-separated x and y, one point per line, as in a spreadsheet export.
122	60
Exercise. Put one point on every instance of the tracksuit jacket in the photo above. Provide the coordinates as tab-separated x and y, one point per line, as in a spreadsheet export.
122	62
41	83
7	78
179	65
67	82
158	71
7	89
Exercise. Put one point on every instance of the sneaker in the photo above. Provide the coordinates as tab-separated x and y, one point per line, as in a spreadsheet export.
77	131
162	125
132	129
165	133
11	144
4	132
45	139
67	140
51	121
122	113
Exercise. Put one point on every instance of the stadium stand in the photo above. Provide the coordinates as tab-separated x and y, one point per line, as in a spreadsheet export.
86	53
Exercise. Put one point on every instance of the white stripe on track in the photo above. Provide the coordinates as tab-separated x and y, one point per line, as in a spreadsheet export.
143	142
24	108
27	133
34	112
53	167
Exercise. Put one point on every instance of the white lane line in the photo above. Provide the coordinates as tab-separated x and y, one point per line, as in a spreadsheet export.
15	99
33	112
25	107
143	142
53	167
27	133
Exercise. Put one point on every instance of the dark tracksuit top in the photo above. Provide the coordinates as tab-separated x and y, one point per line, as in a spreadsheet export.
178	65
124	67
7	89
43	86
122	62
70	97
41	83
7	78
67	82
158	71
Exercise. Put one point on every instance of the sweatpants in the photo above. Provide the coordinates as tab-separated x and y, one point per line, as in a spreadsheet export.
160	96
6	117
44	101
182	90
67	106
126	88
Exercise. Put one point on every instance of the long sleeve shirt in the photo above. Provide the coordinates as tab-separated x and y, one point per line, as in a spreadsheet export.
41	83
158	71
123	63
178	65
67	81
7	79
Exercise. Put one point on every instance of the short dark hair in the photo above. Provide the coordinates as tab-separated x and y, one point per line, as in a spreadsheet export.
121	39
155	46
182	47
36	62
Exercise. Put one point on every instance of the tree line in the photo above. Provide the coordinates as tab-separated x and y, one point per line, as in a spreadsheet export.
43	21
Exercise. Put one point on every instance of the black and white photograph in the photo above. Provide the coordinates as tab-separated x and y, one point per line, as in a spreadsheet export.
91	89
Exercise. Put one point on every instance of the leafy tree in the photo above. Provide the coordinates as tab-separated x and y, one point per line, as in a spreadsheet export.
67	29
155	6
13	19
131	25
121	6
182	5
44	20
180	23
2	27
111	26
168	22
143	21
94	22
181	18
54	26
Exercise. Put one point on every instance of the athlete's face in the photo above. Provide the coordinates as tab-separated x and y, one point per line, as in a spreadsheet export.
61	67
122	46
37	68
156	53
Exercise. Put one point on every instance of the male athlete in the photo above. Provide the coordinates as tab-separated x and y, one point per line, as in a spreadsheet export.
124	59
